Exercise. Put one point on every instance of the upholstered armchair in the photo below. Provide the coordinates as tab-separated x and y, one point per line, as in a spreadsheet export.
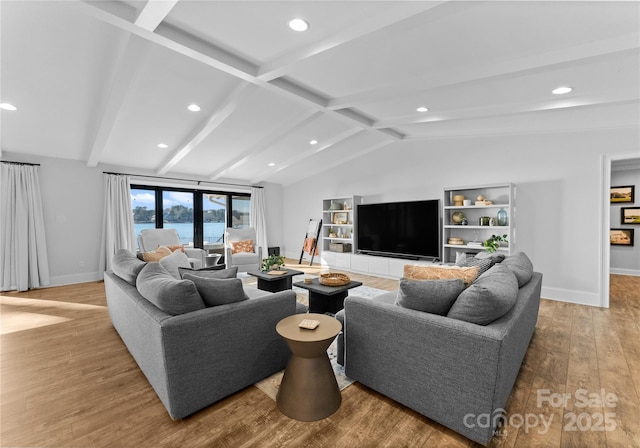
237	244
150	239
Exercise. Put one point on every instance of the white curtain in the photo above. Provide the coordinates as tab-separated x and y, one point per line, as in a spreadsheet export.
117	224
257	219
24	263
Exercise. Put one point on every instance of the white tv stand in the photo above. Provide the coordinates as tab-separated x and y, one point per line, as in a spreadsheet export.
381	266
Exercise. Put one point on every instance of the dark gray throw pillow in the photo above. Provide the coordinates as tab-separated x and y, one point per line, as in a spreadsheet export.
172	296
210	273
483	263
430	296
127	266
521	266
490	297
218	291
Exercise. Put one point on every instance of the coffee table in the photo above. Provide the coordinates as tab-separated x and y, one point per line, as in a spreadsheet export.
308	390
275	283
326	299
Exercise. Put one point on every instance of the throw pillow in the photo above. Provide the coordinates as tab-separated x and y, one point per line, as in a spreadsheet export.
174	262
204	273
172	296
495	257
483	263
467	274
156	255
241	246
430	296
218	291
176	247
127	266
521	266
490	297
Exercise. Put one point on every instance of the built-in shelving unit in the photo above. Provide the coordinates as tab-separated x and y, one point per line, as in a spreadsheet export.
473	233
338	224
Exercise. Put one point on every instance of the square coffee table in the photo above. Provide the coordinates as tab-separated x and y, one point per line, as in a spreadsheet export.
326	299
275	283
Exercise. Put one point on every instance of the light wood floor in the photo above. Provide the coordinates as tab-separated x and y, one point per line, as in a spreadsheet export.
68	381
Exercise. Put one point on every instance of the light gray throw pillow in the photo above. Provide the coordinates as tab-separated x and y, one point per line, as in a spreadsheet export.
430	296
218	291
172	296
210	273
126	265
490	297
521	266
173	262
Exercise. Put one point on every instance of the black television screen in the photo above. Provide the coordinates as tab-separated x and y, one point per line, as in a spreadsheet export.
399	229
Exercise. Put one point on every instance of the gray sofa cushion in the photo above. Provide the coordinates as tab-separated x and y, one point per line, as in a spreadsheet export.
491	296
173	262
172	296
127	266
218	291
431	296
204	273
521	266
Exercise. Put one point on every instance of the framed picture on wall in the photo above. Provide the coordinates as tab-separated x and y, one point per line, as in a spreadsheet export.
622	195
621	237
630	215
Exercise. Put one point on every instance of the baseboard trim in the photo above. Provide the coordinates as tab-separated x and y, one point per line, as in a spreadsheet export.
618	271
572	296
64	280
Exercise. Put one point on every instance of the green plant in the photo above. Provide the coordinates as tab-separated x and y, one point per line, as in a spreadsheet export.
492	244
271	261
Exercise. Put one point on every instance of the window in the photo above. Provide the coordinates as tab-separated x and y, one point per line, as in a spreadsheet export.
199	216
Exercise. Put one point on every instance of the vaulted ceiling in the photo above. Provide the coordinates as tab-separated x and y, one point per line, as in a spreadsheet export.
105	82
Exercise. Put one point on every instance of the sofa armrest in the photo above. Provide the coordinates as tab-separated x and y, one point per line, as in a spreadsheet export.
198	254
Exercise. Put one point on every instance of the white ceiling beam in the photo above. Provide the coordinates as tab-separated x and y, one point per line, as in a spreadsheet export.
280	65
306	154
225	109
153	13
477	73
125	69
263	144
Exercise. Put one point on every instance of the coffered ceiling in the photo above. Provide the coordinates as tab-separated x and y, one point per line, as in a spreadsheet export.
105	82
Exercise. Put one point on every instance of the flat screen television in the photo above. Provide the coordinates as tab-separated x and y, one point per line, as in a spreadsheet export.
399	229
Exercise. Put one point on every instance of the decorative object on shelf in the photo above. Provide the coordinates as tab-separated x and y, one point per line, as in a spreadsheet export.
340	218
346	206
335	206
492	244
458	199
340	247
622	194
332	233
273	262
466	202
502	217
455	240
493	221
334	279
483	221
458	217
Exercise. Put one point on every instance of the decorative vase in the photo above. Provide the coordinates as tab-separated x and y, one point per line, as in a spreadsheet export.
502	217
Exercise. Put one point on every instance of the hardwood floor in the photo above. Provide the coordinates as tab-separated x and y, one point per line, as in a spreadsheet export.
68	381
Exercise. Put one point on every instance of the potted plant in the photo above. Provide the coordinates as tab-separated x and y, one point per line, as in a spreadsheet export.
332	233
492	244
273	262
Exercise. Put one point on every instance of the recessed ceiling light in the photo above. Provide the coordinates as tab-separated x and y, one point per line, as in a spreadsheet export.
193	107
272	164
7	106
298	25
561	90
422	109
313	142
163	145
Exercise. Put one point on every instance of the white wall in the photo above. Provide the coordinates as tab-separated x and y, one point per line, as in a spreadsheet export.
625	260
558	189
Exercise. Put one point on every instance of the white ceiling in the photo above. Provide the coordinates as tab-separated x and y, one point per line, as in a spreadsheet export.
105	82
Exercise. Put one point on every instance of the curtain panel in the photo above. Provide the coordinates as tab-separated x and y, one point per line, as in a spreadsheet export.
117	227
24	263
257	218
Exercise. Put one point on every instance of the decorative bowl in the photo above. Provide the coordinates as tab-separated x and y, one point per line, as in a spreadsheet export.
334	279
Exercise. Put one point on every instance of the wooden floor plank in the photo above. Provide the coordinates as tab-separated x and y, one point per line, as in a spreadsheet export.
66	380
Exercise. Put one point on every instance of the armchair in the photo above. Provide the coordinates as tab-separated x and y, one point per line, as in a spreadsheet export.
150	239
245	261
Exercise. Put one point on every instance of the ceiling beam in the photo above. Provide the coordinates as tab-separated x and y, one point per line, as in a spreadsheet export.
224	110
266	142
153	13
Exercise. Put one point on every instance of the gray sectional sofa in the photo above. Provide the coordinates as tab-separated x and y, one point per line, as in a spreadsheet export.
195	357
452	371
